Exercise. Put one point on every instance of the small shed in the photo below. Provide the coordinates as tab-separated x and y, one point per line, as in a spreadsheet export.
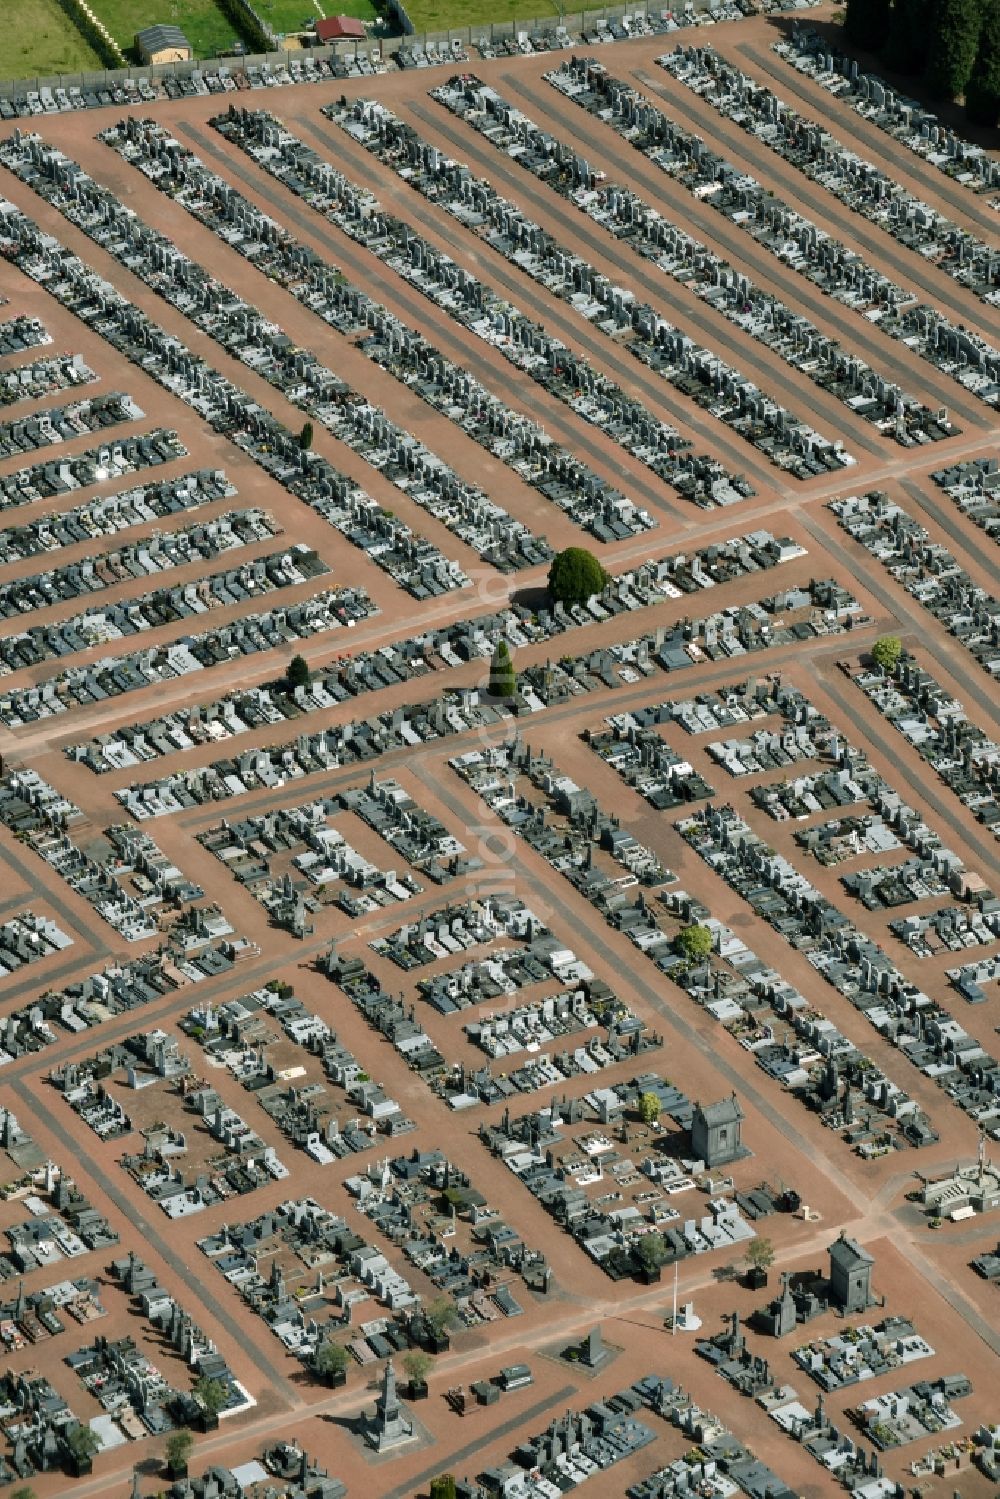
340	28
163	43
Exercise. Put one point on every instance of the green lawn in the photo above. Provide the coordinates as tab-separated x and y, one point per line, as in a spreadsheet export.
205	24
298	15
444	15
360	8
40	39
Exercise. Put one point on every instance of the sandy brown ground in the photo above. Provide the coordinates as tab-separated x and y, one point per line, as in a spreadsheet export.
920	1273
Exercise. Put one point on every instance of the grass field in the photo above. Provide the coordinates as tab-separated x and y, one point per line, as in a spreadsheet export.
360	8
296	15
203	22
40	40
440	15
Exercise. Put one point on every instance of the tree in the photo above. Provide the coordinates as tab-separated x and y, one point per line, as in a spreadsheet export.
306	436
440	1314
952	46
886	652
575	575
330	1358
83	1441
503	677
443	1487
649	1107
212	1393
179	1446
982	95
907	44
23	1493
417	1364
866	23
694	942
651	1251
760	1254
298	674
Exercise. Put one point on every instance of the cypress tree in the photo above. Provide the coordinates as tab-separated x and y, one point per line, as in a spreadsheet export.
953	44
906	48
503	677
866	24
982	93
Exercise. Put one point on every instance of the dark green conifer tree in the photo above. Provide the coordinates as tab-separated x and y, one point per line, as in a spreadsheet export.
982	92
953	42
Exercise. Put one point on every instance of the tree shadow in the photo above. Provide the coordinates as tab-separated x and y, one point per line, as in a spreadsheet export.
726	1273
535	599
